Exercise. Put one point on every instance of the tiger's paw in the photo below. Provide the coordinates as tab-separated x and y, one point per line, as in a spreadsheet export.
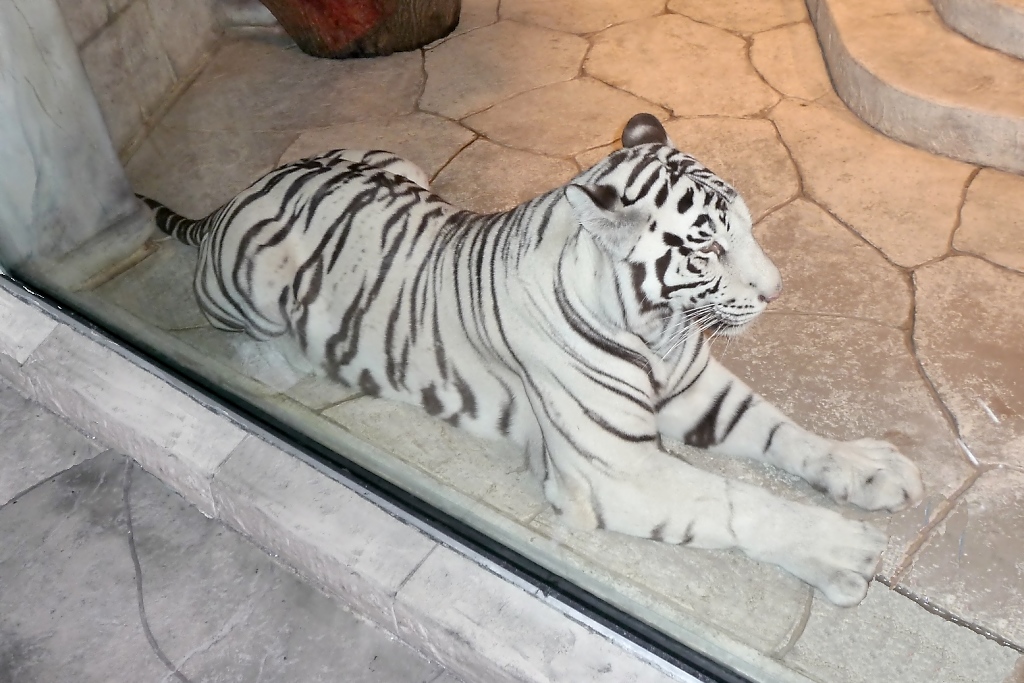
873	475
838	558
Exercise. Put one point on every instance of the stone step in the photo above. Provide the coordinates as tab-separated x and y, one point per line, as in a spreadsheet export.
998	24
904	72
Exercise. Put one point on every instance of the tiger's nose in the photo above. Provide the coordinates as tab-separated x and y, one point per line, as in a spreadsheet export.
772	295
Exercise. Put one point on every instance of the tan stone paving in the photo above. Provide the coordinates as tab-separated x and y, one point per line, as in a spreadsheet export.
428	141
481	68
196	170
902	200
971	564
536	120
789	60
992	220
475	14
742	16
487	177
969	332
637	56
886	328
889	638
829	270
256	86
579	16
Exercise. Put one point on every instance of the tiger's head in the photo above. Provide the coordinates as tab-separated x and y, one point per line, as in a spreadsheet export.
682	232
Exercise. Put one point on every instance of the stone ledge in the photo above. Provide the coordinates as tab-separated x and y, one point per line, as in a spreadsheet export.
389	570
998	24
319	526
911	78
131	410
455	611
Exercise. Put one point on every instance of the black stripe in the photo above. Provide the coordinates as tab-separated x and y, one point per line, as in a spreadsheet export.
702	434
771	437
739	413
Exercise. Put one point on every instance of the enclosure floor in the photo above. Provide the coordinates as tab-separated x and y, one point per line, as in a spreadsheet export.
110	576
901	317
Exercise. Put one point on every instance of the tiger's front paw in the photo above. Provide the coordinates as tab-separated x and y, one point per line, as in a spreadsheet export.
871	474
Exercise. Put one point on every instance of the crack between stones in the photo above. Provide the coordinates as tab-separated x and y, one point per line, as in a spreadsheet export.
149	248
415	569
178	675
187	328
951	617
68	515
491	106
476	136
423	83
355	397
785	25
533	518
451	36
981	257
960	208
748	46
570	158
24	492
785	648
240	616
800	192
911	341
731	32
586	74
152	122
580	72
112	18
824	207
440	674
772	209
924	534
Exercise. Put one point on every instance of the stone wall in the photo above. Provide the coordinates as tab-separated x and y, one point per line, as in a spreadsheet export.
137	53
66	208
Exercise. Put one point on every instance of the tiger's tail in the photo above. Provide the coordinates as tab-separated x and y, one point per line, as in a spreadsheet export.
186	230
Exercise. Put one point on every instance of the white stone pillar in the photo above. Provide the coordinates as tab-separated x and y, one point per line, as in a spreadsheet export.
67	211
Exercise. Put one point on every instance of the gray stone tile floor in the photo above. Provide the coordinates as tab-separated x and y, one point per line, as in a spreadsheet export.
108	576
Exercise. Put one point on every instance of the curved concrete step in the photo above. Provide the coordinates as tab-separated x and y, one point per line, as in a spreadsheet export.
900	69
998	24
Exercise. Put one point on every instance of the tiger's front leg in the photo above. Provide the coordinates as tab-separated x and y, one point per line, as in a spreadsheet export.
602	469
719	412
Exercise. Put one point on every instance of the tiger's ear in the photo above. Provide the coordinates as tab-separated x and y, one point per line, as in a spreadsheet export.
644	129
601	213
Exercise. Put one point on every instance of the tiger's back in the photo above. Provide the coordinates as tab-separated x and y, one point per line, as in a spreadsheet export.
379	284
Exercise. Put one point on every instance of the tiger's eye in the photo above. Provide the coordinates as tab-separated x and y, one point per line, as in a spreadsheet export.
713	248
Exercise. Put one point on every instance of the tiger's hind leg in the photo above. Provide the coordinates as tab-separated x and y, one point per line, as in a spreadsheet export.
720	413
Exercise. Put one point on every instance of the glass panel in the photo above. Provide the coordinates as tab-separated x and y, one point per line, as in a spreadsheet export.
495	116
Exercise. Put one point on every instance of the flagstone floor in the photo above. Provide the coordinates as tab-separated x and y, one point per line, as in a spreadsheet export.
901	318
109	576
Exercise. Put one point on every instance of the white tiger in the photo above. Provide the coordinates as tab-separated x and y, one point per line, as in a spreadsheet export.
572	325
